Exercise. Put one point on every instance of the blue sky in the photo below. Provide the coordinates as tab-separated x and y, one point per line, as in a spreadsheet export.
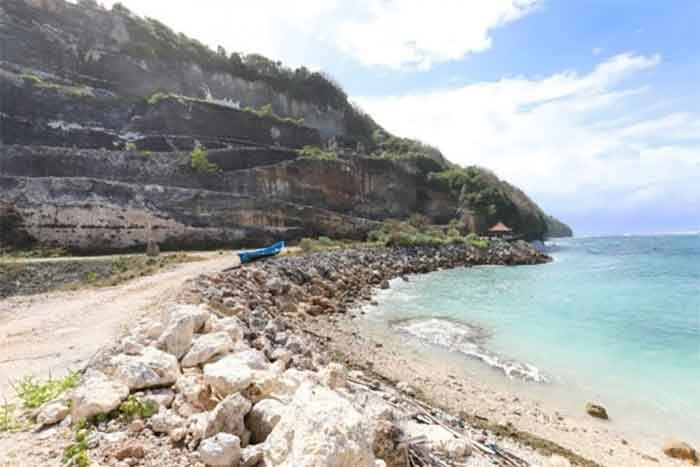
591	106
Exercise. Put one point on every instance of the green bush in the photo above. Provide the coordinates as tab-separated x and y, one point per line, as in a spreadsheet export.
199	161
325	241
35	393
478	242
316	153
130	146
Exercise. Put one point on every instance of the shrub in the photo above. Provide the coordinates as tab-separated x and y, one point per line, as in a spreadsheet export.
157	98
34	80
478	242
133	408
34	393
199	160
130	146
316	153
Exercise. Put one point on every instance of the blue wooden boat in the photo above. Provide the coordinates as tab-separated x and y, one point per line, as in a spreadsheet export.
252	255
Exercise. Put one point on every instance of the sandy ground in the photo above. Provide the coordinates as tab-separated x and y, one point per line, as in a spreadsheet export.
51	333
445	383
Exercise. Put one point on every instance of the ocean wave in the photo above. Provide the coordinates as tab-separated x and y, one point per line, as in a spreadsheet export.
468	340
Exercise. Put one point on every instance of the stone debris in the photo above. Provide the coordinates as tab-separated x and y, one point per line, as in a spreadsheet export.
681	450
597	411
239	382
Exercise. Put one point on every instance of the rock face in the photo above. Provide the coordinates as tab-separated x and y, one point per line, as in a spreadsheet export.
93	160
319	429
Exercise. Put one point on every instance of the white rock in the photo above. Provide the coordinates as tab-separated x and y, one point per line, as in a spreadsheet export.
456	449
435	435
195	391
131	346
199	314
251	456
152	368
177	337
53	412
334	376
265	384
281	355
234	327
166	421
96	395
228	376
255	359
162	397
263	418
320	428
206	347
196	424
229	416
221	450
147	331
406	388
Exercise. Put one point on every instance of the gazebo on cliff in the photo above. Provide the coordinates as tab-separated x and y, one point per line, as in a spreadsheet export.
500	230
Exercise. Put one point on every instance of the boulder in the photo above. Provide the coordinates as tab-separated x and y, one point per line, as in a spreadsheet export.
228	376
195	392
206	347
222	450
320	428
151	369
177	336
255	359
680	450
199	314
596	411
166	421
229	417
233	326
262	419
53	412
96	395
265	384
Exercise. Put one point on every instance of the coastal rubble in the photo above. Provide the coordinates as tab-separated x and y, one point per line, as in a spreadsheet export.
238	381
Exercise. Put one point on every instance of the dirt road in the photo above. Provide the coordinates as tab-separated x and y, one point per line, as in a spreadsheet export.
52	333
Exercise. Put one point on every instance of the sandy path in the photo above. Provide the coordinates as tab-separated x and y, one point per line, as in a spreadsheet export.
49	334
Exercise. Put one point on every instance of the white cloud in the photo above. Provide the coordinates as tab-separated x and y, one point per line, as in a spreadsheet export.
415	34
572	140
389	33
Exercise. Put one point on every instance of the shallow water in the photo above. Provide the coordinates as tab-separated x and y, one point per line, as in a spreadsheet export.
614	320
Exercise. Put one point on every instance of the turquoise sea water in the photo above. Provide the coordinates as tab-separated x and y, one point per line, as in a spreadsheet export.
615	320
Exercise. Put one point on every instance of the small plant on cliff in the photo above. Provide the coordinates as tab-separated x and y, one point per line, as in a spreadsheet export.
157	98
34	80
316	153
76	452
199	160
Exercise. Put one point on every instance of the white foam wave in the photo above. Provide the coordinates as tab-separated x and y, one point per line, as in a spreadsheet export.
469	340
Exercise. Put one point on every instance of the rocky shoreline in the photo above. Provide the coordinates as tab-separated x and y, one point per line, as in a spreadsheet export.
243	371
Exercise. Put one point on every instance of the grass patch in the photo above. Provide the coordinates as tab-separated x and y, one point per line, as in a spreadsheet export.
9	422
34	253
34	393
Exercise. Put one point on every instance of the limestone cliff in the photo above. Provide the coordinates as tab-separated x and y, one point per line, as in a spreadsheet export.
100	115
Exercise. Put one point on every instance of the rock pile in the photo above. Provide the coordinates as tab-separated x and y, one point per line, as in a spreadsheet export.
234	383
